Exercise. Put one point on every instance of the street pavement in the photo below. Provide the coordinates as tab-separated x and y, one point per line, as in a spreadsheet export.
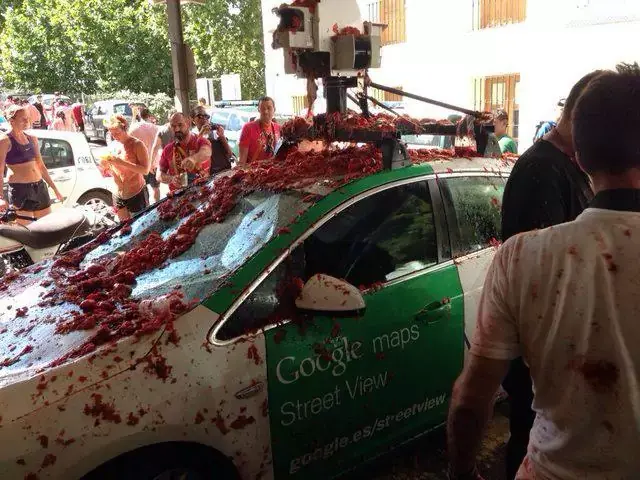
426	458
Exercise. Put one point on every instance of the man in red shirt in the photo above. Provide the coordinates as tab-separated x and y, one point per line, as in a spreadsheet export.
258	139
186	158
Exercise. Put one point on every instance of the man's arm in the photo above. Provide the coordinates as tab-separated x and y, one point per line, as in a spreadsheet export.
494	344
471	407
157	144
533	199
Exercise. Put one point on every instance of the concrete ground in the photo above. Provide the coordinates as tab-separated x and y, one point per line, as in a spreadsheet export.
426	459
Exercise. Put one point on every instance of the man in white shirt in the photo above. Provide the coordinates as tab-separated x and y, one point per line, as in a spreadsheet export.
146	131
567	300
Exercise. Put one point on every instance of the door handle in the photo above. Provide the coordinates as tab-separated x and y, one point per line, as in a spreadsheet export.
250	391
434	312
61	179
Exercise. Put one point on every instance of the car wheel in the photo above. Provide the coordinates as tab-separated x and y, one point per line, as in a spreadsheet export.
169	461
101	203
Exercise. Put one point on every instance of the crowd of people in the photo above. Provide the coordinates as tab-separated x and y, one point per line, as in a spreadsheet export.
60	114
557	321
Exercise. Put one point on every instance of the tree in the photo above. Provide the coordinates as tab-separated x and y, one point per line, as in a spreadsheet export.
226	37
91	46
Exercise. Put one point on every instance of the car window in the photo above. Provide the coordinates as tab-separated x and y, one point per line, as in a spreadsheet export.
56	153
234	123
379	239
220	118
122	109
472	206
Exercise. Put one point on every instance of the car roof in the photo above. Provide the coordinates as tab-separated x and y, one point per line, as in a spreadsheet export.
241	113
56	134
113	102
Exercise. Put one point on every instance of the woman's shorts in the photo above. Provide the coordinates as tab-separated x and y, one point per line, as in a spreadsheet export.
135	204
29	196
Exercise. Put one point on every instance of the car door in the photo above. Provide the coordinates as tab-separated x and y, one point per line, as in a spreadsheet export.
472	203
58	157
344	389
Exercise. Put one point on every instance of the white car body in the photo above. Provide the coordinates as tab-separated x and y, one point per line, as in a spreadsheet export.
61	419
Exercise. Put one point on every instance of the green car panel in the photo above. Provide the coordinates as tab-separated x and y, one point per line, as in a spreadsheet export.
353	387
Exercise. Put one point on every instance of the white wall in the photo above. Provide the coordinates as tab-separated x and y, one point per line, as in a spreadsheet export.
560	41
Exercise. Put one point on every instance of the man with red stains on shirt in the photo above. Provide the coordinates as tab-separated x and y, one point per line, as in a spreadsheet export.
546	187
565	299
186	158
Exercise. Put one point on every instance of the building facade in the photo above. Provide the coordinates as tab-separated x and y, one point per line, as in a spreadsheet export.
520	55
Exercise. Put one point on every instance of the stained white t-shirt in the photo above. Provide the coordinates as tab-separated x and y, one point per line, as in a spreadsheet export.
567	298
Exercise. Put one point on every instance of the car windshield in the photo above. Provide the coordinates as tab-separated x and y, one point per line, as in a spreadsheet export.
219	249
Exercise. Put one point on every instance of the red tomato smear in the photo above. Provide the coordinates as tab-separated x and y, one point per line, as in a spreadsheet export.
335	330
572	250
157	365
44	441
283	230
279	336
241	422
219	421
345	30
494	242
310	4
21	312
66	443
627	233
199	418
264	408
611	266
602	375
21	461
100	410
253	354
49	459
31	476
374	287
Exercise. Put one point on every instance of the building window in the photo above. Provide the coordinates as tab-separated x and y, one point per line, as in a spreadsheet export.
393	14
501	91
494	13
299	103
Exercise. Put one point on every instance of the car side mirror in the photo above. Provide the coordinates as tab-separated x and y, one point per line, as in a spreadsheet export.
325	294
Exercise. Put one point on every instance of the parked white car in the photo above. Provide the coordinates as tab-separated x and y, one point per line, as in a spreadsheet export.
72	167
232	120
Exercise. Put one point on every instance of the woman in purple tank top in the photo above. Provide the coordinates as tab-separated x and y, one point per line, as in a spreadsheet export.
20	153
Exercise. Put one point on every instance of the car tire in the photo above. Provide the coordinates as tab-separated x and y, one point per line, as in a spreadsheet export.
168	461
100	201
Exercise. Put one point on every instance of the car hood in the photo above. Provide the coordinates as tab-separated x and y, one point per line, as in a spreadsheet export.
32	351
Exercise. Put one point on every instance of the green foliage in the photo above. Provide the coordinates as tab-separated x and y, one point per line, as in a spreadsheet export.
158	103
93	46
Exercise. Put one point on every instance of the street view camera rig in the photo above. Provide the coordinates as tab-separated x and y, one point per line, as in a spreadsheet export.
328	40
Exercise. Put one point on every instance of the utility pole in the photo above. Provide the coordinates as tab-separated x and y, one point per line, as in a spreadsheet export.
178	56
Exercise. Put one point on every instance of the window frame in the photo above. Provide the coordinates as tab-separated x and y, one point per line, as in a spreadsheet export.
442	239
454	233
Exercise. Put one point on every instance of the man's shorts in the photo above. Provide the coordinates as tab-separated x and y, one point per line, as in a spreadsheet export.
135	204
29	196
151	179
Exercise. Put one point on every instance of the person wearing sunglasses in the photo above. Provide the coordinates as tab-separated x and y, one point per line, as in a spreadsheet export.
259	138
221	154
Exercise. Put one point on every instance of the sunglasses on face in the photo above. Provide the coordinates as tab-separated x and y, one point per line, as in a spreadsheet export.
202	115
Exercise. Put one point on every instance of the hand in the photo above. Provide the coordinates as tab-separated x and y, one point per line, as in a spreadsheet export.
220	132
205	129
59	195
189	164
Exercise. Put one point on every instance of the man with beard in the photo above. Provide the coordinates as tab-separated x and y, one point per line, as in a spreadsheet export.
186	158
